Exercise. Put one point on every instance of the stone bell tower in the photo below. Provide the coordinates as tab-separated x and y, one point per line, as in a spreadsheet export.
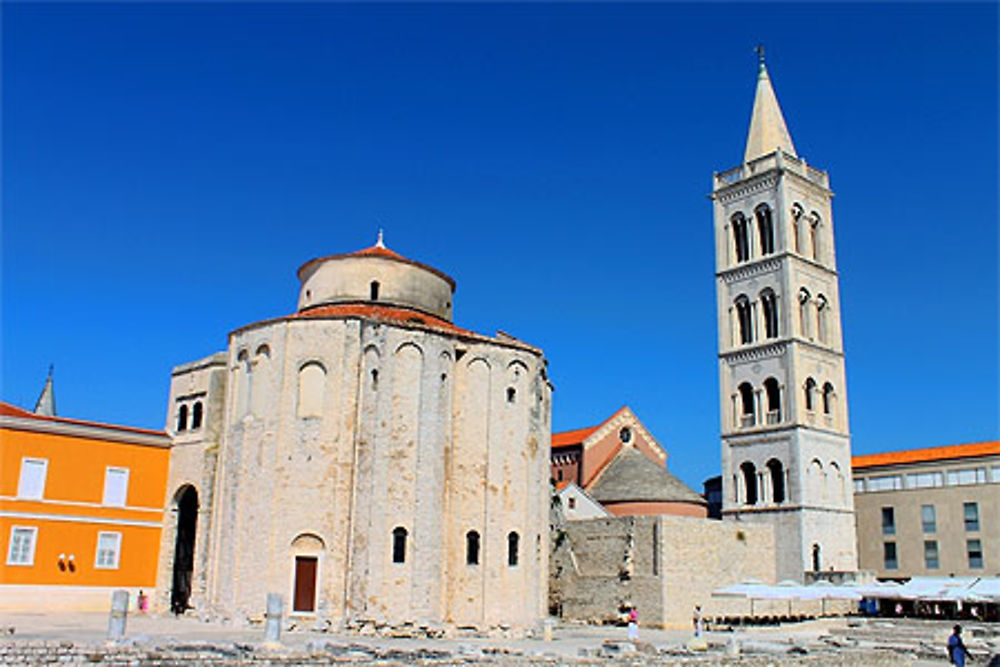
786	448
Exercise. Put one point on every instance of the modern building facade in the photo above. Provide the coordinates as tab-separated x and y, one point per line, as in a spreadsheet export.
929	512
81	509
786	447
364	457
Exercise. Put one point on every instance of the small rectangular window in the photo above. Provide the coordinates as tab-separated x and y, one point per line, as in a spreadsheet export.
31	483
889	556
971	511
22	545
885	483
115	486
975	549
859	485
967	476
928	518
924	480
931	554
888	521
108	551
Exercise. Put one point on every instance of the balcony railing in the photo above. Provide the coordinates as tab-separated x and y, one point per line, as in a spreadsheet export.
773	417
746	421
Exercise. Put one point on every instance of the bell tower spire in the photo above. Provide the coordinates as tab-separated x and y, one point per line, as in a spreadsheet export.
768	131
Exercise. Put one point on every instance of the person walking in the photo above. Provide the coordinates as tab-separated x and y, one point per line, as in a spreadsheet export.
697	621
957	653
633	624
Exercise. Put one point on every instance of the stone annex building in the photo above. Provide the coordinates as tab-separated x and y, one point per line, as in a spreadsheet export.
365	457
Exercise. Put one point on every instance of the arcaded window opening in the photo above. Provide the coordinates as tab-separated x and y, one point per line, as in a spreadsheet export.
769	304
827	398
741	234
814	235
745	320
810	392
766	229
182	418
773	393
472	548
399	544
749	472
821	317
777	472
196	415
748	417
804	298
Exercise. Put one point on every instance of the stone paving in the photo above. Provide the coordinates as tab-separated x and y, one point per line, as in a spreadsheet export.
80	638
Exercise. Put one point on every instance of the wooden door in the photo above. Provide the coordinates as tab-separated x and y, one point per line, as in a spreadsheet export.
305	583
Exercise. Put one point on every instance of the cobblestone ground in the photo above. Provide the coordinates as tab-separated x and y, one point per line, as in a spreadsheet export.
80	639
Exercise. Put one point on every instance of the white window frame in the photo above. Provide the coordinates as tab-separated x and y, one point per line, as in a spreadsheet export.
117	551
31	552
107	475
21	491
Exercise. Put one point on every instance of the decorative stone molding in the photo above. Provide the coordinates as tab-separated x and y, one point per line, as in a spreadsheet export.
735	357
744	271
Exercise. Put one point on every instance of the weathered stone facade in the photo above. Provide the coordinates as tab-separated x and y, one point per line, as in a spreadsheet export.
365	448
664	565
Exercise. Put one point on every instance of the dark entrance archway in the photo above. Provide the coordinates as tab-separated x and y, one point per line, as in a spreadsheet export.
187	524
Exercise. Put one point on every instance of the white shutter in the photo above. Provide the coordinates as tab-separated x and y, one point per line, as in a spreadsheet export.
31	484
115	486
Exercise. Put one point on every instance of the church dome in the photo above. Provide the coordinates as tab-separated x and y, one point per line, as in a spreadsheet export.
375	275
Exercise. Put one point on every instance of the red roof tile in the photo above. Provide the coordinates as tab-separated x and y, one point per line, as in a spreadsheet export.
8	410
574	437
386	313
376	251
927	454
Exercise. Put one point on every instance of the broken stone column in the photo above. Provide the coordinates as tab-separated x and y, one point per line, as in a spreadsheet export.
118	616
275	609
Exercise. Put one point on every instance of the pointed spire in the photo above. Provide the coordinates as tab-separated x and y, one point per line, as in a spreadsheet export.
768	131
46	404
380	242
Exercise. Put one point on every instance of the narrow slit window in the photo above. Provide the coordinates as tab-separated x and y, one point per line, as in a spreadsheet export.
374	290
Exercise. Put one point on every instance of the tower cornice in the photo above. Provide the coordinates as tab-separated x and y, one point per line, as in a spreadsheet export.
728	184
755	267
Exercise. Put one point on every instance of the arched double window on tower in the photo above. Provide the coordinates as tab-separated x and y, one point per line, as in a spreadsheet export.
814	223
744	319
821	318
196	415
804	299
810	395
773	393
777	474
765	227
749	474
797	212
741	235
747	412
828	397
769	306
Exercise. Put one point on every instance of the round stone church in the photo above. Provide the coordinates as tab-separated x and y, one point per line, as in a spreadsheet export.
364	457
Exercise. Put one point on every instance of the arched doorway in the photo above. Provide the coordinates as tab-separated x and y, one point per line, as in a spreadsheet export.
187	525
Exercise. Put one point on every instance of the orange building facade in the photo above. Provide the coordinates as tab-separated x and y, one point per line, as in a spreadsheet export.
81	510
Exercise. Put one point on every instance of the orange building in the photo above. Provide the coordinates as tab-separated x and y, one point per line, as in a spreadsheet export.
81	508
622	467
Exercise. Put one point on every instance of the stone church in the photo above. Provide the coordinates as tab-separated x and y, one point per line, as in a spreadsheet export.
364	457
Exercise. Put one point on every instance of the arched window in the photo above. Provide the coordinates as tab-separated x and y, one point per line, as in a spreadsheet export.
827	398
816	558
511	395
821	317
773	392
747	405
312	381
769	304
796	227
814	234
777	473
182	418
472	548
398	544
766	229
749	482
741	234
804	298
810	394
513	540
374	290
744	318
196	415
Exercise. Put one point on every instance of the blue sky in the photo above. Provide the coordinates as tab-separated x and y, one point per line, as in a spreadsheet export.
167	168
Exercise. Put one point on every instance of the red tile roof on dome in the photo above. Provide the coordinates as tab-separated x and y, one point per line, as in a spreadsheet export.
377	251
8	410
969	450
386	313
